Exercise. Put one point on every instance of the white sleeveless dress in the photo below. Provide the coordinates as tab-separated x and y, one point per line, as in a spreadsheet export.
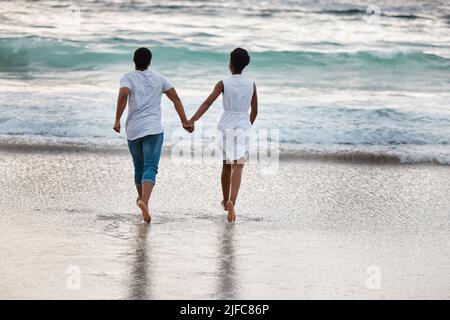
234	125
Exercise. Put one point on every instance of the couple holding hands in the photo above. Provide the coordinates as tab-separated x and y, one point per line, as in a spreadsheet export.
142	89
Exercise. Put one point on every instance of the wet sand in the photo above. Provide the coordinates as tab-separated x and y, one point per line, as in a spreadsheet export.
315	229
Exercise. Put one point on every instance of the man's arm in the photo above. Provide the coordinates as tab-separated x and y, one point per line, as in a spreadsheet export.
218	89
173	96
254	104
121	105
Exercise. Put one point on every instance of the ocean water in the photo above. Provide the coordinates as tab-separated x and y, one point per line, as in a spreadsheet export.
334	77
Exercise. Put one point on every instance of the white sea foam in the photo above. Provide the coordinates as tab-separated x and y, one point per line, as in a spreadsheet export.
330	82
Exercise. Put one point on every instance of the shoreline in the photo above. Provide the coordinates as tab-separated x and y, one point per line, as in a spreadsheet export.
355	157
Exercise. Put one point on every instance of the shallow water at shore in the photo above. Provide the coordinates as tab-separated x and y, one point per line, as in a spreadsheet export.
310	231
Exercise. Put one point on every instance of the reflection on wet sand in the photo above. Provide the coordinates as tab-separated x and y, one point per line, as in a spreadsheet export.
227	271
140	274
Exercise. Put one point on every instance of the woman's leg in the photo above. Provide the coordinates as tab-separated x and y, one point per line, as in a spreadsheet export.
236	177
226	181
151	149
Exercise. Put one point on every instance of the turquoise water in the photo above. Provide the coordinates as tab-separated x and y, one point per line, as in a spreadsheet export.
333	76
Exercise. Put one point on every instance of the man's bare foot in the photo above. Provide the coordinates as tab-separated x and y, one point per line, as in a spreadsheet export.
224	207
231	217
145	212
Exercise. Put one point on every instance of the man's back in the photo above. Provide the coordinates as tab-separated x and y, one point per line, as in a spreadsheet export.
144	107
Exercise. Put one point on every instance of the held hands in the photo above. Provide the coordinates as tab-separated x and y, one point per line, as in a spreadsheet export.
189	126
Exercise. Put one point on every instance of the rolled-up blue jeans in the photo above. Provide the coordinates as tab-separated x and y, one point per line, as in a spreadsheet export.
146	152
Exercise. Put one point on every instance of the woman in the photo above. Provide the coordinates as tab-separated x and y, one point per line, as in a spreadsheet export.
238	96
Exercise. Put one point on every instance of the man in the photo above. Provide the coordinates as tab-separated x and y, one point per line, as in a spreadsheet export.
142	89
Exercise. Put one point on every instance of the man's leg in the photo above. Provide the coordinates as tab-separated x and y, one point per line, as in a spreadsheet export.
151	149
147	188
135	147
139	191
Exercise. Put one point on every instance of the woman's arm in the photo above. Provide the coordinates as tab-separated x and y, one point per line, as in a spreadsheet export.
254	104
121	105
218	89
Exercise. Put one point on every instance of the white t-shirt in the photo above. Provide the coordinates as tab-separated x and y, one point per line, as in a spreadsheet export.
144	102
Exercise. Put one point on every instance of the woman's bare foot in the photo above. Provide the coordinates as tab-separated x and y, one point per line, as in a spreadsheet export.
145	211
231	217
224	207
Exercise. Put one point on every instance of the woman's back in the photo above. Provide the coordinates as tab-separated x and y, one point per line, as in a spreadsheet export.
236	99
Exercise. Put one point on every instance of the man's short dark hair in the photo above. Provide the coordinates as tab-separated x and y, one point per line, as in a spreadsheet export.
239	59
142	57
